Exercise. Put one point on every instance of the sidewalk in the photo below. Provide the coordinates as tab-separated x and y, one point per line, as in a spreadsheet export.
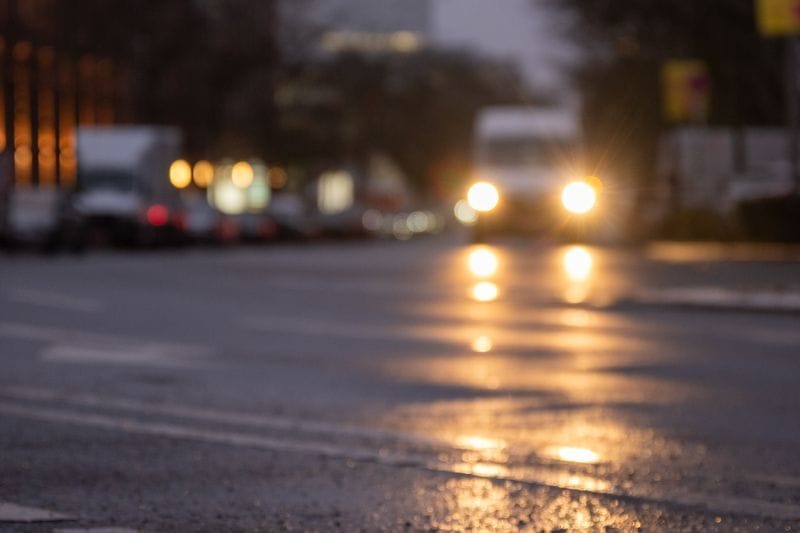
759	289
719	298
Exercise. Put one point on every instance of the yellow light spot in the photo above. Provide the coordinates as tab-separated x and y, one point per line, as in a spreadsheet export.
474	442
180	174
482	344
572	454
488	470
483	196
577	263
485	291
483	262
578	197
242	174
203	174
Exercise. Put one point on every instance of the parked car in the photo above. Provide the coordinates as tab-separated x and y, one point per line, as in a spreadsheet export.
206	225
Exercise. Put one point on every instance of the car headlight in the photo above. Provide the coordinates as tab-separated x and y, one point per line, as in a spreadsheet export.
578	197
483	196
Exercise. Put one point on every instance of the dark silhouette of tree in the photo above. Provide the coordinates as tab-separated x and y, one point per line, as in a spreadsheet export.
205	65
418	108
628	41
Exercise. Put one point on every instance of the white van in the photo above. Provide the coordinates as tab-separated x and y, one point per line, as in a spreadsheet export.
123	188
528	171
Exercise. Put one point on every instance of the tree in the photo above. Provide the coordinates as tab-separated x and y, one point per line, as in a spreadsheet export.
627	41
419	108
207	66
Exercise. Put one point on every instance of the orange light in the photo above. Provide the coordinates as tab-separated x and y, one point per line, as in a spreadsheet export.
242	174
203	174
180	174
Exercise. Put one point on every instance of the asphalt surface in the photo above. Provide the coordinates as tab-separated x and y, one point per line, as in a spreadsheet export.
421	385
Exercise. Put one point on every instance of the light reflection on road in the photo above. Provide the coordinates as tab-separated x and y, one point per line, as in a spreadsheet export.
578	263
484	291
482	344
549	363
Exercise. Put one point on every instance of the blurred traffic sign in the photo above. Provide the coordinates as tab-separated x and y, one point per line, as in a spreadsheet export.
778	18
686	90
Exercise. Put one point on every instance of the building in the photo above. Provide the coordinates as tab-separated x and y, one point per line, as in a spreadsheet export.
49	86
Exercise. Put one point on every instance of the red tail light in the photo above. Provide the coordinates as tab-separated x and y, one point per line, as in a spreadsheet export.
157	215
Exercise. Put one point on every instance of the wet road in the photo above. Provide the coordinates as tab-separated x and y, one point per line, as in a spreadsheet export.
401	386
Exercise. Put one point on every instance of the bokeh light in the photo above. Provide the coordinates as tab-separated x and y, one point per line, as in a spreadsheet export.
483	196
578	197
482	344
577	262
464	213
483	262
180	174
203	174
485	291
242	174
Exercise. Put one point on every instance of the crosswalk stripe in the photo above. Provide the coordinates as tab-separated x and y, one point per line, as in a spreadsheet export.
12	512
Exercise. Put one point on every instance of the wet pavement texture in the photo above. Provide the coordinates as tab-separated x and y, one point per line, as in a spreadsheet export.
423	385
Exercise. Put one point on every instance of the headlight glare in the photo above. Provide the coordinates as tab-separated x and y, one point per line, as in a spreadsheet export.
483	196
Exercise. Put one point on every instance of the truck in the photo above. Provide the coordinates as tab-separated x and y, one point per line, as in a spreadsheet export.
528	172
123	192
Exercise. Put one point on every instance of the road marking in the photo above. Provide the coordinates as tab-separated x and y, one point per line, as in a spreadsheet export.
534	476
231	438
97	530
11	512
722	298
329	328
64	345
140	355
55	300
219	416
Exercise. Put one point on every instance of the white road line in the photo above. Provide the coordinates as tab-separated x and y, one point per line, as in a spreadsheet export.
97	530
65	345
329	328
349	286
11	512
537	476
722	298
176	431
62	302
219	416
140	355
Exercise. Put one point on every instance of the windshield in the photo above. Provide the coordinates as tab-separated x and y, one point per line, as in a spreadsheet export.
511	151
